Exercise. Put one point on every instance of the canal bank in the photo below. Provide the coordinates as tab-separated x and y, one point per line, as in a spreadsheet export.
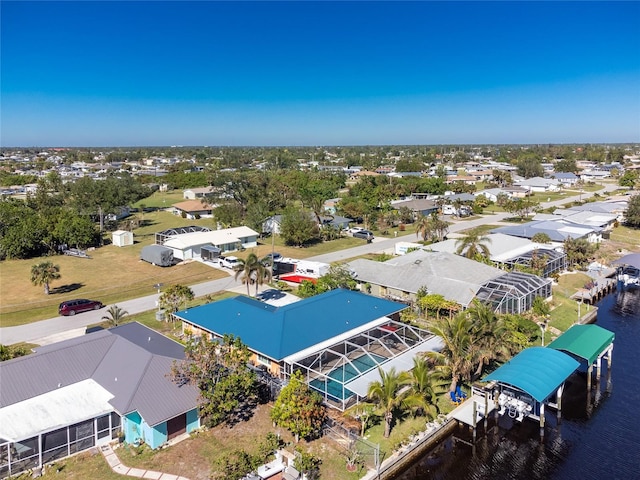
593	441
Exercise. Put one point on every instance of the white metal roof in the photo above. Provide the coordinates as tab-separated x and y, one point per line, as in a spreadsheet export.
44	413
215	237
402	363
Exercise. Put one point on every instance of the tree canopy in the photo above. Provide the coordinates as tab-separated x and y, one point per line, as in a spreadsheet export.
299	409
633	212
228	389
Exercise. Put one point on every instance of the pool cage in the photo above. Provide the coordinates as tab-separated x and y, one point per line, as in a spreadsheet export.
165	235
556	261
514	292
329	370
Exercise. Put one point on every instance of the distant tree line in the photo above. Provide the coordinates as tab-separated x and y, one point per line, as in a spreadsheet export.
60	214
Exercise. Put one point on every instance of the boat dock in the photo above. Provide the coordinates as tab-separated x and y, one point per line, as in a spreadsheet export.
595	290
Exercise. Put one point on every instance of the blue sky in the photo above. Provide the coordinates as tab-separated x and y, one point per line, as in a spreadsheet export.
325	73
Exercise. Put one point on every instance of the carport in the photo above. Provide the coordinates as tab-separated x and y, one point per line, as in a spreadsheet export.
588	344
529	381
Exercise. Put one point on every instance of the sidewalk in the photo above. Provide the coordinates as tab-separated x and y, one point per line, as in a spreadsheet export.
114	462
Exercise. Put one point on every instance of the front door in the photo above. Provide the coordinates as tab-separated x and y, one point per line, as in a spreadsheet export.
176	426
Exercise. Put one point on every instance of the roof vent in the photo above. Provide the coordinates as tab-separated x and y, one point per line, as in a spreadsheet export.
418	262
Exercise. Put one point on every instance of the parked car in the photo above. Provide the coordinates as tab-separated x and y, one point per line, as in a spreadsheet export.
355	229
269	258
228	262
79	305
366	234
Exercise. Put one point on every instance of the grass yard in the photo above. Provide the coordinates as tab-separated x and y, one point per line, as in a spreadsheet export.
196	457
564	311
161	199
114	274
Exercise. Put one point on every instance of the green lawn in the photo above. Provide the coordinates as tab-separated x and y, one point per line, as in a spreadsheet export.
161	199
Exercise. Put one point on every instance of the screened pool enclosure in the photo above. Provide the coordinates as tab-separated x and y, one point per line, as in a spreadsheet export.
342	371
514	292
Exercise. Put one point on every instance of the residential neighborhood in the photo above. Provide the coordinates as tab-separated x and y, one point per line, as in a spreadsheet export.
338	327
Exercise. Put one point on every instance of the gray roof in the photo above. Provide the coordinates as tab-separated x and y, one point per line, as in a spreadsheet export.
501	246
588	218
418	204
556	230
131	362
452	276
600	207
463	197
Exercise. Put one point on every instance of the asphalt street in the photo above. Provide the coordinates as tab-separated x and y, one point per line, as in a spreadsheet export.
58	328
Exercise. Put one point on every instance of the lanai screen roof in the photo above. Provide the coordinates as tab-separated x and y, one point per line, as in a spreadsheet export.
539	371
584	341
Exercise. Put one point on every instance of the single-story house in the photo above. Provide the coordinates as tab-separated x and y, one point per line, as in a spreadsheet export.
273	224
187	246
456	278
506	251
555	229
418	206
515	191
568	179
539	184
617	208
466	179
592	175
337	339
604	221
197	192
493	193
77	394
193	209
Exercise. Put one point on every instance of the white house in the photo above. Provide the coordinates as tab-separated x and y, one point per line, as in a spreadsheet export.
539	184
198	192
187	246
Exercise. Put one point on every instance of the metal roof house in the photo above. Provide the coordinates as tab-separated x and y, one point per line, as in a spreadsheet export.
506	251
456	278
336	339
188	246
555	229
73	395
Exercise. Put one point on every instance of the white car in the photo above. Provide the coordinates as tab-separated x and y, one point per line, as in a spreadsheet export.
228	262
353	230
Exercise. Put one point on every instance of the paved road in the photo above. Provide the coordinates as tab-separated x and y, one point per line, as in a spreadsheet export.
58	328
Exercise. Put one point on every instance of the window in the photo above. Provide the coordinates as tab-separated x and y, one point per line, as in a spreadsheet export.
264	360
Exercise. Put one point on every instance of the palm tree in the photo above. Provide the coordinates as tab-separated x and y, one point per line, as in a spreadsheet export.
474	244
263	272
114	315
431	227
456	357
491	337
423	227
254	270
43	273
426	384
246	268
386	394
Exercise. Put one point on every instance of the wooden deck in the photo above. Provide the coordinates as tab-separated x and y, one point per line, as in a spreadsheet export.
464	413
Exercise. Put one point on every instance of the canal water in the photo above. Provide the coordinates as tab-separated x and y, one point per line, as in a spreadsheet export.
598	443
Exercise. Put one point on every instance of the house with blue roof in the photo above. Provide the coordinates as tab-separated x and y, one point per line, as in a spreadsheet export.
337	339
